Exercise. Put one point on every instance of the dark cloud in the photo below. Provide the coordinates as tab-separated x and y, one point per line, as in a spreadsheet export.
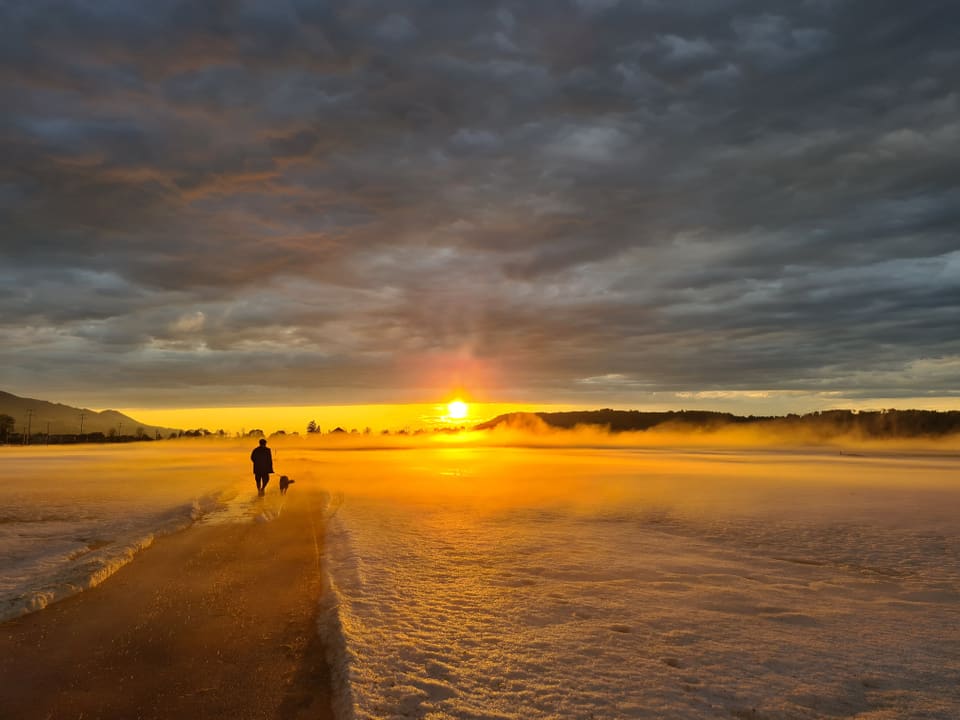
592	199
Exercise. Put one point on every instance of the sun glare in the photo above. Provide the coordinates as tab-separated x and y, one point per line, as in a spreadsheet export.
457	410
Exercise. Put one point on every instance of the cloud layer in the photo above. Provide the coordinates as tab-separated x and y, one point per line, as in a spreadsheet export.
592	200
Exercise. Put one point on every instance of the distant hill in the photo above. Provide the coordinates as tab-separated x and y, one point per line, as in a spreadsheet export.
827	423
66	420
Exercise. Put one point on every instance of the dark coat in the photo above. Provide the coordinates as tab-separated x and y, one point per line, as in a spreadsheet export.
262	460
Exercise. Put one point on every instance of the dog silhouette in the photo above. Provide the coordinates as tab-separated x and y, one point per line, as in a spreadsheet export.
285	482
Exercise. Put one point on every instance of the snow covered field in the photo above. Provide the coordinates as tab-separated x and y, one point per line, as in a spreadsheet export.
619	584
72	516
481	582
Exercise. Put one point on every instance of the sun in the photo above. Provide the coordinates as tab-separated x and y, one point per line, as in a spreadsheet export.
457	410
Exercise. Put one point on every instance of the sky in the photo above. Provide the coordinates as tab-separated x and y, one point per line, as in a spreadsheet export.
745	205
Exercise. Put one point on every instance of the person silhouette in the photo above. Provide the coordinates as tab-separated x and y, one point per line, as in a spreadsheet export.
262	465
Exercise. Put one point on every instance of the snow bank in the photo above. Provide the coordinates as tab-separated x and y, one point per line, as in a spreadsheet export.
74	517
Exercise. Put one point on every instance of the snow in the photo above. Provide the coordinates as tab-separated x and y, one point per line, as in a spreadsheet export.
72	517
464	581
643	585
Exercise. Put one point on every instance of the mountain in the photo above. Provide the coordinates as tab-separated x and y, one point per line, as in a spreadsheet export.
60	419
615	420
824	424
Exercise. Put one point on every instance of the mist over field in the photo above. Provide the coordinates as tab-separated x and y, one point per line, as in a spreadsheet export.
520	573
233	220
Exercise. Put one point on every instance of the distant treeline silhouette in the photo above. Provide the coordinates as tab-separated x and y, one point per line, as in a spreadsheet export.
8	436
867	424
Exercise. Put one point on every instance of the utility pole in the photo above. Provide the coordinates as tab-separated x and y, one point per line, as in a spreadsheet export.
29	421
48	432
82	416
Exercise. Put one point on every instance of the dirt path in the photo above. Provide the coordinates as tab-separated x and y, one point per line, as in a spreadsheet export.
215	622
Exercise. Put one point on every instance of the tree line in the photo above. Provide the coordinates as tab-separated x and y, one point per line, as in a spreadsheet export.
9	436
878	424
